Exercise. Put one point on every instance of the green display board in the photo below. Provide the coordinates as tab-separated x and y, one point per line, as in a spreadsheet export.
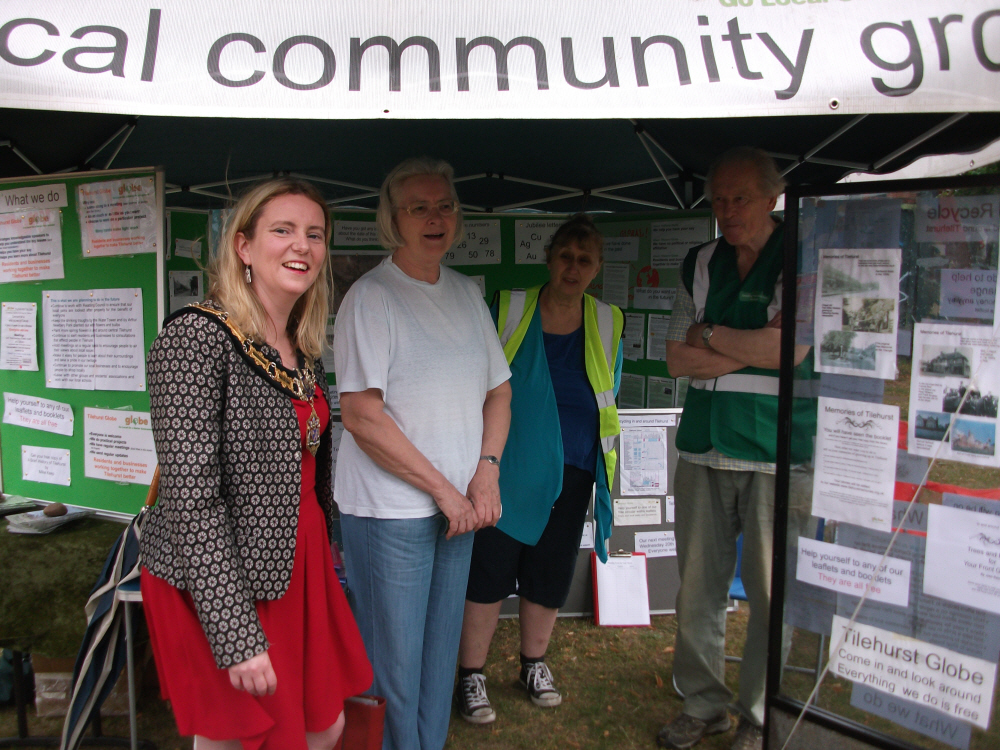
141	271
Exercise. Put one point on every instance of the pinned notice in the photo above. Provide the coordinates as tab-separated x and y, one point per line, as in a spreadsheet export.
963	557
38	414
947	681
355	233
117	217
48	465
637	511
530	238
849	571
118	446
18	350
656	543
31	246
970	293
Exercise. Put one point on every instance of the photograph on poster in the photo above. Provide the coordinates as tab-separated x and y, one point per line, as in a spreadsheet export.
856	311
661	393
185	287
855	474
954	382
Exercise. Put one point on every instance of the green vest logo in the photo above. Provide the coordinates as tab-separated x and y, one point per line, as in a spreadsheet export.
762	297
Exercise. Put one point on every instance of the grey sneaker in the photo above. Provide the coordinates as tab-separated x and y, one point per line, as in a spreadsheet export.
685	731
536	678
748	736
471	700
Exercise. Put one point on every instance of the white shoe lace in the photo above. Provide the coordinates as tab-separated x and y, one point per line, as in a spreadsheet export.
540	678
474	688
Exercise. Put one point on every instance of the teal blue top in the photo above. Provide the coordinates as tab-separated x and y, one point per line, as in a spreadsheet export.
531	469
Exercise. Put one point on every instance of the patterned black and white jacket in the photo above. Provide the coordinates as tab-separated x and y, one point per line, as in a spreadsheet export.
230	452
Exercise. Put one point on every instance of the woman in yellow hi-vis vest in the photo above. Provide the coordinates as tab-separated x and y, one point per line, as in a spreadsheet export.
564	351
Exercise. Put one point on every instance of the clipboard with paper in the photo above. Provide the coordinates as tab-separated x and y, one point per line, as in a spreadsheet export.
621	593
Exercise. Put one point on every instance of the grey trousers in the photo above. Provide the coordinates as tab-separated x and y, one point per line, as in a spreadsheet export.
713	506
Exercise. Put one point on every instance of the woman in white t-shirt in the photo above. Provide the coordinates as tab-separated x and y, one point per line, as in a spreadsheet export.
426	407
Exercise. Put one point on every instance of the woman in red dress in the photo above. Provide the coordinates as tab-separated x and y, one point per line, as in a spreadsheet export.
254	642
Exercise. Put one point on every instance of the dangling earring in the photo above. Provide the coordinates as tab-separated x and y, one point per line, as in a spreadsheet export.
246	273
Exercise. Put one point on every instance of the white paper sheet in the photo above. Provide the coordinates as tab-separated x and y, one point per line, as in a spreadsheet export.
621	249
33	198
661	393
188	249
656	337
18	350
668	508
643	461
672	240
355	234
654	297
682	389
656	543
31	246
93	339
117	217
38	414
963	557
328	344
622	591
632	391
929	675
848	571
334	397
945	358
336	434
634	337
857	311
951	218
587	539
48	465
530	238
185	287
616	284
636	511
970	293
855	472
479	247
118	446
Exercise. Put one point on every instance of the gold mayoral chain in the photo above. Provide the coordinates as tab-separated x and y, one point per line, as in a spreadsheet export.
302	386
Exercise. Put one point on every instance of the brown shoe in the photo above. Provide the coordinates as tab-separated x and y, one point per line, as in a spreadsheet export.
748	736
685	731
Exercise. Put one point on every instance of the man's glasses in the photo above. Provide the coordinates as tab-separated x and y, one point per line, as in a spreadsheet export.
421	209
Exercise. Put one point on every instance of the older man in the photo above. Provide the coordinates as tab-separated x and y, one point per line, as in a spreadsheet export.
725	335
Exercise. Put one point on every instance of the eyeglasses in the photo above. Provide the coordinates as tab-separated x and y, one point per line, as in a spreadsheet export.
421	210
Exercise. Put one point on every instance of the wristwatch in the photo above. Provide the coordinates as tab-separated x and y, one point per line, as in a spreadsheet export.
490	459
706	335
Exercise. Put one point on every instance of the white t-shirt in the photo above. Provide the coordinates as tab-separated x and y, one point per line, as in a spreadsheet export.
433	351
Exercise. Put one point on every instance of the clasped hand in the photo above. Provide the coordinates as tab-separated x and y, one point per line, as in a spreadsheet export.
476	510
255	675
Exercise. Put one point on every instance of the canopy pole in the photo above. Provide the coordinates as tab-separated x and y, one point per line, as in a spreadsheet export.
326	181
130	124
637	201
823	144
536	201
131	129
20	155
917	141
639	134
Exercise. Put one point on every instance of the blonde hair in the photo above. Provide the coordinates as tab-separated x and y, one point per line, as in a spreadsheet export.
388	234
227	286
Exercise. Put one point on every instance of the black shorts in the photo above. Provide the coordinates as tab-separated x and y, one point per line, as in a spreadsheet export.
542	573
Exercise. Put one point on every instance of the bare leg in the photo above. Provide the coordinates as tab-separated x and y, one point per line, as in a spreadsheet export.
536	628
477	632
327	739
203	743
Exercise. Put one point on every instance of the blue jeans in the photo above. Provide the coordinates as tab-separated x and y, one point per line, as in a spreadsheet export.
408	586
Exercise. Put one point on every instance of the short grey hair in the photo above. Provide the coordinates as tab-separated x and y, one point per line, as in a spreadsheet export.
769	179
388	234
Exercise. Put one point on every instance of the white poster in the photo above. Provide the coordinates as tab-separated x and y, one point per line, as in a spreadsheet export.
643	461
921	672
952	363
637	511
851	571
587	538
656	337
952	218
632	391
37	413
970	293
18	350
118	446
188	249
117	217
530	238
855	461
654	297
661	393
634	336
621	249
31	245
857	311
33	198
479	247
963	557
93	339
672	240
48	465
656	543
355	234
616	284
185	287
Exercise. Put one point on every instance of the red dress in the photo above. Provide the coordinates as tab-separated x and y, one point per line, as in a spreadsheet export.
316	650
